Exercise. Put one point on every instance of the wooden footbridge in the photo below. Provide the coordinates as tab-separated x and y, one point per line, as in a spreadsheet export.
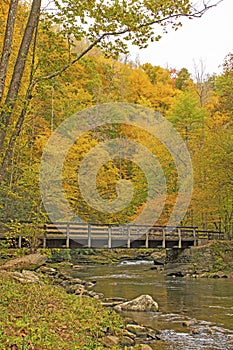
75	235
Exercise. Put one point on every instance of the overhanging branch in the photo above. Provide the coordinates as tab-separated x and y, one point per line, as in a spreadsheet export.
196	14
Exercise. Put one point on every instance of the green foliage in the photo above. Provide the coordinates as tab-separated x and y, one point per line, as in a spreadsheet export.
46	317
186	114
114	23
59	255
223	256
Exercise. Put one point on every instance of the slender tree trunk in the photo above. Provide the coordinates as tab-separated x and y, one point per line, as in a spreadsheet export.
19	69
19	124
9	151
8	38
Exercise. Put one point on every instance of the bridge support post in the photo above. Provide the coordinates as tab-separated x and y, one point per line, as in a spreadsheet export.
128	238
180	238
147	239
109	236
67	236
89	235
164	238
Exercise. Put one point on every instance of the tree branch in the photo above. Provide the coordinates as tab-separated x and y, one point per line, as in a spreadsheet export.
197	14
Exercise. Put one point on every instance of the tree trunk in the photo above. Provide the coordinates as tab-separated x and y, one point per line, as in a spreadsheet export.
18	126
19	69
6	50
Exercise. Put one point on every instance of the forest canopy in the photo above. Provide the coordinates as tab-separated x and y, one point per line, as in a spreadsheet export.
60	60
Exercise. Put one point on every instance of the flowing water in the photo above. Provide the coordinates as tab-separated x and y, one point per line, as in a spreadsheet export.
206	303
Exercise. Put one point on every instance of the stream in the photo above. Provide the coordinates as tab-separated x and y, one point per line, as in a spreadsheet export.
207	304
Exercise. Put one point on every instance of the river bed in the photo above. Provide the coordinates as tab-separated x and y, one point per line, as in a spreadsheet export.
205	304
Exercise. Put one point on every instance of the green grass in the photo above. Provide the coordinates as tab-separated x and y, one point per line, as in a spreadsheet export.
40	317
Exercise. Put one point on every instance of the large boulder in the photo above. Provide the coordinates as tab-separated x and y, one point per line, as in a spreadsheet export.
141	303
31	261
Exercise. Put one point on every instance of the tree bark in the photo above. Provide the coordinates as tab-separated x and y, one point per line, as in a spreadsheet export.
6	50
19	69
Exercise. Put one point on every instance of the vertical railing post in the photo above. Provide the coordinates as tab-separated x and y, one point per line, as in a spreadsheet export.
89	235
44	240
164	238
180	238
67	235
147	239
128	239
44	236
194	237
109	236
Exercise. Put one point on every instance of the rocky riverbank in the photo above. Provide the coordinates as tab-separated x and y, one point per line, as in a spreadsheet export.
133	334
53	268
129	336
213	260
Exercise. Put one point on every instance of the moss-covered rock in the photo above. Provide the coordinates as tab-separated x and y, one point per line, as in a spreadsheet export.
213	257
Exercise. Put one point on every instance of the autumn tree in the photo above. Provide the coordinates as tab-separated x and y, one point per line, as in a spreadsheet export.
62	70
182	79
163	88
224	86
106	25
187	116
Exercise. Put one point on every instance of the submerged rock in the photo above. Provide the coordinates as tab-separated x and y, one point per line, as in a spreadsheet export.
141	303
177	269
189	323
218	274
138	330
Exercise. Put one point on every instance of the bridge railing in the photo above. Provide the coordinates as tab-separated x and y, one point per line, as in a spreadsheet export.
125	234
210	235
110	235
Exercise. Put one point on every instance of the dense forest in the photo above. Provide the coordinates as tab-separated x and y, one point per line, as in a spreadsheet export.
64	70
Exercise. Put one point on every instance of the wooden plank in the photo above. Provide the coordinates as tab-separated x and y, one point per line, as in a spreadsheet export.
109	236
